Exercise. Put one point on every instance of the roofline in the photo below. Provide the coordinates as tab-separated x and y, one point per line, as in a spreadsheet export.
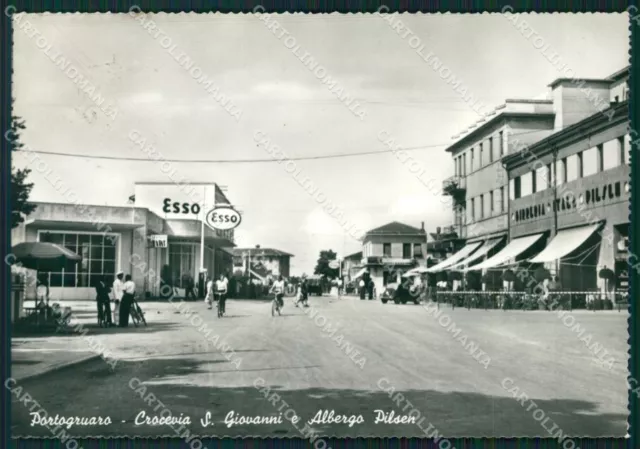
501	116
620	74
282	253
127	206
557	81
511	161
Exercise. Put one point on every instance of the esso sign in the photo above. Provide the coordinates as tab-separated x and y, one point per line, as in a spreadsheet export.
334	264
223	218
175	207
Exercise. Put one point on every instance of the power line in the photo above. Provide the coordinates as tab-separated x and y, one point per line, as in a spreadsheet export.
247	161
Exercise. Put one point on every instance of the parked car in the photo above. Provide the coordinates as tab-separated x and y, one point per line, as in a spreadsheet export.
315	285
399	294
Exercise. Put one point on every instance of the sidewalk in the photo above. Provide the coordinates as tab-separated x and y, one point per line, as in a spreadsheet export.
36	355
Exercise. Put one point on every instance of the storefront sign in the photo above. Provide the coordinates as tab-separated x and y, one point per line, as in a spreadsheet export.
567	201
223	218
158	241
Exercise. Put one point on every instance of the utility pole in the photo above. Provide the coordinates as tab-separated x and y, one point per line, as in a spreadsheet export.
554	207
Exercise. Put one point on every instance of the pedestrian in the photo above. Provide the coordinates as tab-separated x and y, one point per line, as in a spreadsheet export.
222	286
189	285
117	290
303	292
209	293
127	300
104	304
361	287
370	288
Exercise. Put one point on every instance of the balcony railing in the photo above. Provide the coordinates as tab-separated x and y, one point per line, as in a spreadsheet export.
454	185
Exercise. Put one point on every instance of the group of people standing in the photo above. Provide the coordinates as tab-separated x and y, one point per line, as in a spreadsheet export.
121	292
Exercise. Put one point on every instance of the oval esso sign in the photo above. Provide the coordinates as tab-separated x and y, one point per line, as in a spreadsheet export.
223	218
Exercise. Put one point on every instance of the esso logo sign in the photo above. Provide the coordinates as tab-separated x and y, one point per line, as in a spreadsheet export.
176	207
223	218
334	264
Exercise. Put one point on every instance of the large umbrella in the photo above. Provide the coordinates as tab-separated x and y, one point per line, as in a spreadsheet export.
43	256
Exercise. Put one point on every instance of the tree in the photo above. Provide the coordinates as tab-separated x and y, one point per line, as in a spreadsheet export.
20	189
322	267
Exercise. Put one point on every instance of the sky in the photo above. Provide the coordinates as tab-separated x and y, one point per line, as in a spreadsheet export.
280	97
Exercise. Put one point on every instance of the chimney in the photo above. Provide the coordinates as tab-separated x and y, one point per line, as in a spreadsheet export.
422	226
438	229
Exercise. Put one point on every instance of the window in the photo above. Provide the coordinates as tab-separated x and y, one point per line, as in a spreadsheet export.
561	171
471	163
590	162
481	207
572	170
502	208
491	149
611	154
98	254
481	156
406	251
464	164
473	209
526	184
542	178
580	165
501	144
491	204
517	188
625	148
534	184
182	258
417	250
386	249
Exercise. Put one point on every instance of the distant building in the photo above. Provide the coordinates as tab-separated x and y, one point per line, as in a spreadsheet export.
263	263
351	264
390	250
443	243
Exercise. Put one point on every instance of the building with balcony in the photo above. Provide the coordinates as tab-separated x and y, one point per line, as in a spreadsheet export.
513	203
443	243
391	250
262	263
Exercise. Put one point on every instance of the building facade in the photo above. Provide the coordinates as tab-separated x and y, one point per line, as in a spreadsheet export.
351	265
391	250
262	262
559	163
132	239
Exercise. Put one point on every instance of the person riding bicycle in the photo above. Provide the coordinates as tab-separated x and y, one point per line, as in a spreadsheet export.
278	288
221	292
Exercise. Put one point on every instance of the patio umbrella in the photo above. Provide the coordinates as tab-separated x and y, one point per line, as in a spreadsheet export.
43	256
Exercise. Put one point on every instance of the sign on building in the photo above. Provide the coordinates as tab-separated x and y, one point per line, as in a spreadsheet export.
158	241
223	218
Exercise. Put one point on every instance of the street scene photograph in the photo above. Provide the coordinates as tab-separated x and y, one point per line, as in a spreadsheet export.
315	226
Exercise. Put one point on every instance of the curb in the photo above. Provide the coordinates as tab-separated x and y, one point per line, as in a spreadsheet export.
58	367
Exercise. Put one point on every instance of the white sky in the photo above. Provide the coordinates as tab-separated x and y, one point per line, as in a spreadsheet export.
282	98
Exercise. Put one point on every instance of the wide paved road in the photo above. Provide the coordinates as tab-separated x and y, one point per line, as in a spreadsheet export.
403	347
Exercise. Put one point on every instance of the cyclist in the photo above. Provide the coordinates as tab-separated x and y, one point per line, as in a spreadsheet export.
221	292
278	288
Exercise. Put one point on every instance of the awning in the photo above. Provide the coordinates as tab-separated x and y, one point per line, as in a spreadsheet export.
414	272
483	251
511	251
359	273
457	257
564	243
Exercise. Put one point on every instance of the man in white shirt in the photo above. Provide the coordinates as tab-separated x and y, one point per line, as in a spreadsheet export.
278	287
117	291
221	291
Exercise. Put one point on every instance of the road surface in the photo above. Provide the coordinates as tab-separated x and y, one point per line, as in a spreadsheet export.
299	355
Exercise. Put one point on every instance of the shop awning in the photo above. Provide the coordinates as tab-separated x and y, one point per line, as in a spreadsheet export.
483	251
511	251
359	273
454	259
564	243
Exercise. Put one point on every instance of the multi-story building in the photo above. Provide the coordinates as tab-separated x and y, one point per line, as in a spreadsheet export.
262	263
572	140
391	250
140	240
351	265
444	242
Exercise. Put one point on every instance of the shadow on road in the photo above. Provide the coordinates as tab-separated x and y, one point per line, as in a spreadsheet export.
189	386
94	329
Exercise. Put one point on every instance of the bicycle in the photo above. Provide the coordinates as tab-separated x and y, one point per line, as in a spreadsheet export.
275	306
137	315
